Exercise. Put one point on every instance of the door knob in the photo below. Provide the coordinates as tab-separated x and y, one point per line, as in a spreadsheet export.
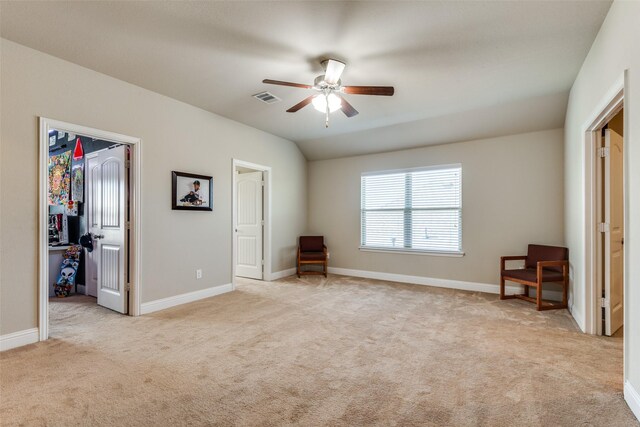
98	236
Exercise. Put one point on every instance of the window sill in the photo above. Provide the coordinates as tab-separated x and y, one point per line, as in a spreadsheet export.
413	252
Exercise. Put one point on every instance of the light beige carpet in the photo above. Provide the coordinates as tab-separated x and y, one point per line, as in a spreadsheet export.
340	351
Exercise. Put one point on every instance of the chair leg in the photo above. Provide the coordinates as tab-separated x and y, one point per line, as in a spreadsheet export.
526	290
565	291
539	297
502	287
325	268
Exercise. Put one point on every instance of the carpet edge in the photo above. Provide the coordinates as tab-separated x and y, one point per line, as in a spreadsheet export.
488	288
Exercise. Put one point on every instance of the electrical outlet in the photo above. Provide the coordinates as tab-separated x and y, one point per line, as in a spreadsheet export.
198	274
328	255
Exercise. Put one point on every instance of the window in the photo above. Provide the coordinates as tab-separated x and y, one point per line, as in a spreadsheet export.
413	210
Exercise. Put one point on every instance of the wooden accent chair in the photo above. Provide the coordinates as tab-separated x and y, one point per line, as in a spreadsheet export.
312	250
541	264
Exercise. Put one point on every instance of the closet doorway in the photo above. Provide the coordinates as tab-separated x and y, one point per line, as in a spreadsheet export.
251	225
89	211
606	196
611	225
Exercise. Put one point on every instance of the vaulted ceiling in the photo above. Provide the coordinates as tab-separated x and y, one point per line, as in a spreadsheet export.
461	70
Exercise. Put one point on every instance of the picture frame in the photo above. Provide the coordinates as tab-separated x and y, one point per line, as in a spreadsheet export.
191	192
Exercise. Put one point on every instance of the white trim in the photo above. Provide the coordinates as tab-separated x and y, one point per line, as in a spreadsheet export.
266	244
18	339
632	397
164	303
454	254
606	108
136	215
416	169
488	288
280	274
43	238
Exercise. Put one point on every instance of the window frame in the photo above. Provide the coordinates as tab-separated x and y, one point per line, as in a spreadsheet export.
411	251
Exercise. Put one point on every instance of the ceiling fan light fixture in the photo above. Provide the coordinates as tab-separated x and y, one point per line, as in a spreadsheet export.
320	102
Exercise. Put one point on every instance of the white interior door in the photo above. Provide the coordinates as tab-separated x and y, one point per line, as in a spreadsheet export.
249	225
106	209
91	258
614	237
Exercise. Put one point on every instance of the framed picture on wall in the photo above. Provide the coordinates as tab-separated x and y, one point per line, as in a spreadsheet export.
191	192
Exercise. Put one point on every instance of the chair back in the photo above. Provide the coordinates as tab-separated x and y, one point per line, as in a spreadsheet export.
311	243
537	253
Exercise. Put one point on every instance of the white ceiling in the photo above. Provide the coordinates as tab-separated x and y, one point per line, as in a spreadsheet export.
461	70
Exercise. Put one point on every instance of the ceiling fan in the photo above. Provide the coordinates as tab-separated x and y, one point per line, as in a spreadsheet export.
329	86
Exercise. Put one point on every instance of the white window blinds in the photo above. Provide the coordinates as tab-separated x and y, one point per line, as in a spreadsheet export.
415	210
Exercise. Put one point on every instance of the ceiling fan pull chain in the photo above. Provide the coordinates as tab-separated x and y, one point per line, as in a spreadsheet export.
326	120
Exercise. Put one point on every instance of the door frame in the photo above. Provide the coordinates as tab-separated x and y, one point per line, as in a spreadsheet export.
266	207
610	105
43	211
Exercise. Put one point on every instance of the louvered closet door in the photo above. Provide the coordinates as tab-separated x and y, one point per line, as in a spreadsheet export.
106	207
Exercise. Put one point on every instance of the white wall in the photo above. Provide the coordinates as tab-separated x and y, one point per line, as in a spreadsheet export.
175	136
615	50
512	195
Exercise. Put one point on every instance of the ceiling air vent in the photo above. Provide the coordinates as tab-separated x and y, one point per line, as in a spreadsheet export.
267	97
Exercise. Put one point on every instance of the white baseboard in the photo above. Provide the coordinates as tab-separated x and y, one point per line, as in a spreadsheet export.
489	288
164	303
632	397
280	274
18	339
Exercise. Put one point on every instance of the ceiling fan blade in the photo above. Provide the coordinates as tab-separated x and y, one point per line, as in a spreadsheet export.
301	104
369	90
347	108
333	71
280	83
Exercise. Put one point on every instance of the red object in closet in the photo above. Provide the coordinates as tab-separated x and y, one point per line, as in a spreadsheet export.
78	152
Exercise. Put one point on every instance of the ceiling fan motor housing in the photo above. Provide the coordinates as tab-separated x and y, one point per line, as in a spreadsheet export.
320	84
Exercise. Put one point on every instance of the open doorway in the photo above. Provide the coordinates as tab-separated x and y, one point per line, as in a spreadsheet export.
89	208
251	221
606	194
610	220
